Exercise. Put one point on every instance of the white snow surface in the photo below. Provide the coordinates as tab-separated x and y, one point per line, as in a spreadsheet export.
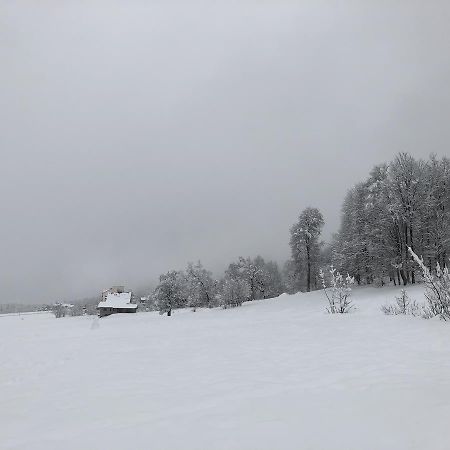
273	374
118	300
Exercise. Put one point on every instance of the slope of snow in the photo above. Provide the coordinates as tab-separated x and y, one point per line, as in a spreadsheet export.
274	374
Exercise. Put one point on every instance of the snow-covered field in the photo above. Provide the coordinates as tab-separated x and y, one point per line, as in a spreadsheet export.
275	374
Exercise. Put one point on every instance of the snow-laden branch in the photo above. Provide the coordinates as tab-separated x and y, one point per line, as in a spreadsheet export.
437	288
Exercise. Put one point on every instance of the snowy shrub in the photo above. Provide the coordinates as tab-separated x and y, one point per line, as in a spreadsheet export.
437	289
234	293
339	291
403	305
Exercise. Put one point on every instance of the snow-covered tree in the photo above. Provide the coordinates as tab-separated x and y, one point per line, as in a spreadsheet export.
170	292
77	310
407	185
263	278
59	310
436	216
405	203
274	280
292	277
352	249
234	292
251	272
200	285
304	242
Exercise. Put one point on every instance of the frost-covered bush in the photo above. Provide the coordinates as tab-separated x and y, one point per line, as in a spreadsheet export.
437	289
234	293
338	292
403	305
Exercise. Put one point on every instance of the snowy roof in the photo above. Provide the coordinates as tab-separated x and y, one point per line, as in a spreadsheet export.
115	300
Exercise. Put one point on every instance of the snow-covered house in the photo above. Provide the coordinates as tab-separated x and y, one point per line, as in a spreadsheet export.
115	289
116	302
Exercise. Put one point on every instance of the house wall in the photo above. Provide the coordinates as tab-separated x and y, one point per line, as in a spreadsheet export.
102	312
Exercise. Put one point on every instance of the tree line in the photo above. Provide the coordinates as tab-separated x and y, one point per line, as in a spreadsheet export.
401	205
244	280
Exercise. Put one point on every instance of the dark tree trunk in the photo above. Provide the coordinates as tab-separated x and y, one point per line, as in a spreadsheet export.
404	277
169	313
308	259
411	243
405	272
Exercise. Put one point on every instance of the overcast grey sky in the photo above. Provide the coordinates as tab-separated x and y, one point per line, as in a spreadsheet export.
138	136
